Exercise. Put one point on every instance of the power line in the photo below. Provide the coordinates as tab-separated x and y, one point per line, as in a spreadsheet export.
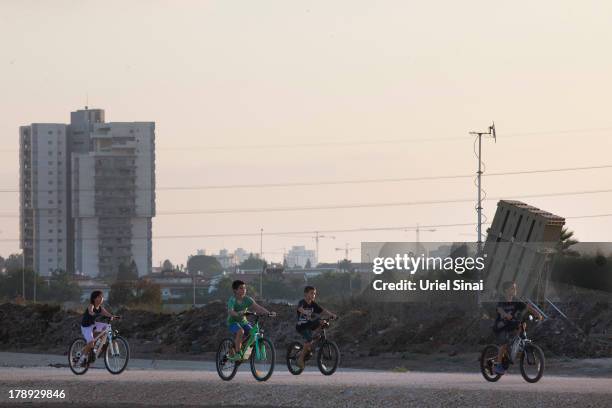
361	142
365	205
287	234
372	205
340	182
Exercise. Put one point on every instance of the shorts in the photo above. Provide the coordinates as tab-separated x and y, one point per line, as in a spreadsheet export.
507	332
234	327
87	331
306	329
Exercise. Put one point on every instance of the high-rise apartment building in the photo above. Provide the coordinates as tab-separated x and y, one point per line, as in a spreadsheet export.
87	194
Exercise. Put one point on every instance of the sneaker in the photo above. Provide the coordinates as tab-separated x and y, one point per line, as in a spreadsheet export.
499	369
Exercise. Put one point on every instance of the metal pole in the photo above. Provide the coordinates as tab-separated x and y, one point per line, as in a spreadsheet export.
262	266
193	278
479	208
23	275
317	244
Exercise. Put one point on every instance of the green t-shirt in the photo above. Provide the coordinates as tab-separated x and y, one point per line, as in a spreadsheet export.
232	304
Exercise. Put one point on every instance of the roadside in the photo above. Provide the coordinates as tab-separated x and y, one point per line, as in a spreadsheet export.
463	363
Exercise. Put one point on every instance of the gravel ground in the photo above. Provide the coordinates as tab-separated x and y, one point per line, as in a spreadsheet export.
352	388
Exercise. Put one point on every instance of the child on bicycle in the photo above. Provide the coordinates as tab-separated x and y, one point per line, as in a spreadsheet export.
237	305
507	322
88	322
306	322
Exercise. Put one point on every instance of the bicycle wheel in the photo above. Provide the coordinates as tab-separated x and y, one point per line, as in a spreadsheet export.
74	357
293	351
532	363
225	368
488	358
262	360
328	357
116	355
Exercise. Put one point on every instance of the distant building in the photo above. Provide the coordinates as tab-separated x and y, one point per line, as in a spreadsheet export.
241	255
87	194
298	256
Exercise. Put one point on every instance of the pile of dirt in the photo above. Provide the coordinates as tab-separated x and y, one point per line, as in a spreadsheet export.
364	329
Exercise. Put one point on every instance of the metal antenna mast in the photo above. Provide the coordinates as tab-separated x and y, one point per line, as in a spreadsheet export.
490	132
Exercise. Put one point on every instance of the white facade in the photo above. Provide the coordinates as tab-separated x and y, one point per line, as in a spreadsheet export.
298	256
43	201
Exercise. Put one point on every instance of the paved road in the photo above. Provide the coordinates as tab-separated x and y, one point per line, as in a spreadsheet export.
181	383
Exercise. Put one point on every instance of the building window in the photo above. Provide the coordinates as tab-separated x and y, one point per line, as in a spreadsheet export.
50	231
50	141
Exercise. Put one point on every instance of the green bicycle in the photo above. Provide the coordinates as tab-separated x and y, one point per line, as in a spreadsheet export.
256	348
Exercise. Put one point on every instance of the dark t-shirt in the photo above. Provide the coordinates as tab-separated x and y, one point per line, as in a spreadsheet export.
514	308
309	309
88	319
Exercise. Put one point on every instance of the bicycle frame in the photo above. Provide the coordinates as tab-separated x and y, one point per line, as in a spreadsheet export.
253	340
108	334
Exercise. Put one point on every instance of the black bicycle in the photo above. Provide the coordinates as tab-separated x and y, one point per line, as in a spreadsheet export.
327	352
529	355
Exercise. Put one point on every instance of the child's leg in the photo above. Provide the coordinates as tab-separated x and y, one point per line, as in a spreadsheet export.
87	333
239	332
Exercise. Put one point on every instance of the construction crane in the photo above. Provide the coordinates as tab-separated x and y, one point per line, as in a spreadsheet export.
346	250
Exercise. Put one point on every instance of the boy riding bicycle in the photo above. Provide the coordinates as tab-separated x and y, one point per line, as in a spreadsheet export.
237	305
306	325
508	321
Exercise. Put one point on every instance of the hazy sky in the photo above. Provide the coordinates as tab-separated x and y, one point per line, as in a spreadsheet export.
222	75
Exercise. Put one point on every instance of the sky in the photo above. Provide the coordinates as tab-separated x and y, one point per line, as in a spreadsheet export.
273	92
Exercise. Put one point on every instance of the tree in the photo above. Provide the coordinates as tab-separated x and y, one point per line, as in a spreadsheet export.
208	265
61	288
127	272
308	265
148	293
167	266
345	265
121	293
253	263
566	240
13	263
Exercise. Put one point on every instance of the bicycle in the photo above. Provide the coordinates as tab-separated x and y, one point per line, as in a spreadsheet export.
256	348
328	353
530	357
115	348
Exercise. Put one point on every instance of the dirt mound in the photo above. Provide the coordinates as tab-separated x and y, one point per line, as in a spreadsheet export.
364	329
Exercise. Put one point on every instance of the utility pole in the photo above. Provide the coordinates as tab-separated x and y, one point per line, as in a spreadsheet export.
23	275
262	265
490	132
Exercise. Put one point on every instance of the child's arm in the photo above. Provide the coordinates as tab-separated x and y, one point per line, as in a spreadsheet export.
330	314
107	313
262	310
